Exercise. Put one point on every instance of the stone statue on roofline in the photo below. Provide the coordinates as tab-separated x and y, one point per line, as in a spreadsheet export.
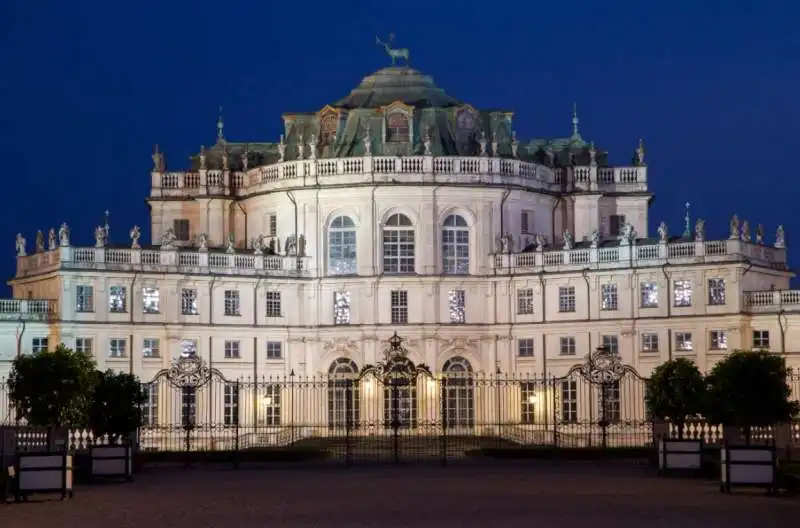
63	235
662	232
168	239
595	239
734	228
281	150
700	230
20	244
569	242
51	240
202	242
39	242
780	238
514	144
745	231
760	235
99	237
135	233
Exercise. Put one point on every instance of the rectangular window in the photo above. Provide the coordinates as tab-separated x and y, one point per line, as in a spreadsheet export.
232	303
566	299
399	306
609	404
150	405
188	301
525	301
38	344
457	300
117	347
611	342
569	401
117	299
232	349
181	228
85	345
151	347
616	222
230	403
718	340
526	222
649	294
760	339
341	308
84	299
649	343
716	292
528	401
272	225
566	346
270	405
150	300
274	350
525	347
610	298
273	308
188	406
188	348
683	341
682	293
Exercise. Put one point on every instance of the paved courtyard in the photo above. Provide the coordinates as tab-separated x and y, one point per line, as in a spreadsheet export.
527	495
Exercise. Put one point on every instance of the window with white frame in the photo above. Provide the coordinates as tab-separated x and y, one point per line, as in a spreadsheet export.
270	405
611	343
273	308
117	299
525	301
649	342
230	403
398	245
117	347
399	306
232	349
649	295
271	227
188	301
84	345
341	308
232	307
569	401
455	245
342	256
151	348
274	350
84	299
528	402
716	292
718	340
566	299
682	293
609	297
566	346
150	404
151	300
188	348
526	223
683	342
457	301
38	344
760	339
525	347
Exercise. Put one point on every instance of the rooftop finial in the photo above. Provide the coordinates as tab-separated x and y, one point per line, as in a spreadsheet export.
220	127
575	121
687	222
106	227
394	53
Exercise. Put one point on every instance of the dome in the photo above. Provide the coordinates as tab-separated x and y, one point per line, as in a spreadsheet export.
397	83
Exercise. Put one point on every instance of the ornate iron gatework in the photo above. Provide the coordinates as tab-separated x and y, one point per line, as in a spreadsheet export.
188	371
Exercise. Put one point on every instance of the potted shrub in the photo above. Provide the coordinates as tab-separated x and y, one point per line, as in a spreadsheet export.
114	415
676	393
749	389
51	390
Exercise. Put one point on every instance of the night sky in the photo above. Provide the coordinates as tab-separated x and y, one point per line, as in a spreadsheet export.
89	87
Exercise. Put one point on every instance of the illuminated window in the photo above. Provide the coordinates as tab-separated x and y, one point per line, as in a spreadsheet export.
397	128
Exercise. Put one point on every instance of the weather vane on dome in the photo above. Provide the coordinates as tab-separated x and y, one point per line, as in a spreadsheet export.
394	53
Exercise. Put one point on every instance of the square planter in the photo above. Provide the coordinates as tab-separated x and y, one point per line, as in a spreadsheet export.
679	456
43	473
112	461
748	466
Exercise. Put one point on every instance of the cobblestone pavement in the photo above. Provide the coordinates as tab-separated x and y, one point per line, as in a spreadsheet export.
387	497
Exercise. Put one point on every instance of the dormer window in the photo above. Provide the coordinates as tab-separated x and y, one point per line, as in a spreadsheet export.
327	128
397	128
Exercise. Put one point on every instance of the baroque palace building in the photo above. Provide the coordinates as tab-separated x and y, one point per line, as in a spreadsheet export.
401	208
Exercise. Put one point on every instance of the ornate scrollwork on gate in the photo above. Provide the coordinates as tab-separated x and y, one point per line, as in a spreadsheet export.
603	366
395	363
188	371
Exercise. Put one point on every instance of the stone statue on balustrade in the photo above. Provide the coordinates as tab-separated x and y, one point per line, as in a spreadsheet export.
569	242
282	150
700	230
301	246
52	243
312	148
63	235
495	145
168	239
230	245
273	246
595	239
20	241
135	233
158	160
427	143
628	234
551	156
290	246
39	242
541	242
505	243
734	232
202	242
482	144
367	139
257	243
746	231
245	158
202	157
592	154
663	234
760	235
780	238
225	164
640	152
300	147
99	237
514	144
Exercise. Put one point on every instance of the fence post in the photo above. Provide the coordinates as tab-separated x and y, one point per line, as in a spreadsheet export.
236	431
348	410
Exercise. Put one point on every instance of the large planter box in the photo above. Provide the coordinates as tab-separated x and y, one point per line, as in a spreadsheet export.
43	473
679	456
748	466
112	461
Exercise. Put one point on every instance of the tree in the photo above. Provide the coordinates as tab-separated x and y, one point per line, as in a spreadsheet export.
52	389
676	392
116	406
749	389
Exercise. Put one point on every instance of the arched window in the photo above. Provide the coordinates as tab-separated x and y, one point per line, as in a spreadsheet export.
455	245
400	394
343	394
397	128
327	128
398	245
342	246
458	393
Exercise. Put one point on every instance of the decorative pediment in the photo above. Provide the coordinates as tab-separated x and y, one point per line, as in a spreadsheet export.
398	105
328	109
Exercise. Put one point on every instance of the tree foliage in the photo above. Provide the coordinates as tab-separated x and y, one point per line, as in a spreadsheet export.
676	392
116	406
749	388
52	389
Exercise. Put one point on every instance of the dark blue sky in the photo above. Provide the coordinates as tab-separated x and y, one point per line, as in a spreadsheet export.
88	87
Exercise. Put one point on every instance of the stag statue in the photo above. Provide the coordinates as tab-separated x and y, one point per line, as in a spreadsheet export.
394	53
